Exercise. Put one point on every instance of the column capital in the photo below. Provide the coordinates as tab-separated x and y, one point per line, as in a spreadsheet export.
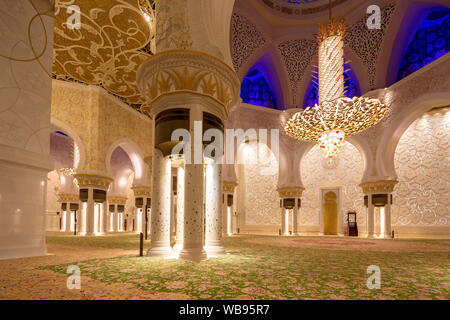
68	197
117	200
229	186
142	191
185	71
86	180
378	186
148	160
289	192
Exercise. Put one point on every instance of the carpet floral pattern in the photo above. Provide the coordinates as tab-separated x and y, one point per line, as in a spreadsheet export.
258	269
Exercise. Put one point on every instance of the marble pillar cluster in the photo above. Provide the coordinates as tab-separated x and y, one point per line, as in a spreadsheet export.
193	216
378	201
143	203
191	220
93	218
116	214
194	98
70	205
290	204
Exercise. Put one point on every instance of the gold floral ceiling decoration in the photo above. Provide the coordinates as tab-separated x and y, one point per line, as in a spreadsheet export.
114	39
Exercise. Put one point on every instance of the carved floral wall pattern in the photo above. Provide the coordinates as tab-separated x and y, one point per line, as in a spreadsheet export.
91	112
260	186
366	43
245	40
398	99
347	173
107	50
297	55
172	31
422	164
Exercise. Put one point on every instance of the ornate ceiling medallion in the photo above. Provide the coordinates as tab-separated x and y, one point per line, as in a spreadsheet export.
113	40
336	116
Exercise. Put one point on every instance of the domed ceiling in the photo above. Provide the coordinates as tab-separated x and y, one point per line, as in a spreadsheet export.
298	8
277	37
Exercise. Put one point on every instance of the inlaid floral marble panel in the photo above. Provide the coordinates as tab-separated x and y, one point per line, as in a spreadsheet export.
346	173
260	186
423	168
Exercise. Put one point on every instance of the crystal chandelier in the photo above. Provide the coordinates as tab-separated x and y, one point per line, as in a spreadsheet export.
336	116
69	172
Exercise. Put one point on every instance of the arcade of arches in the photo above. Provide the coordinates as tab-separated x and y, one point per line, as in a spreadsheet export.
87	119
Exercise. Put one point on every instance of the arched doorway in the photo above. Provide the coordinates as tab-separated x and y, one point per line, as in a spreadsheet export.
421	202
330	214
122	211
342	178
61	185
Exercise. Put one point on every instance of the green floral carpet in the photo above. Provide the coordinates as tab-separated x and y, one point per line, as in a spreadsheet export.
264	271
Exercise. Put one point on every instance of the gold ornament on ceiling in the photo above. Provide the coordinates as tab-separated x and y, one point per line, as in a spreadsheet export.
114	38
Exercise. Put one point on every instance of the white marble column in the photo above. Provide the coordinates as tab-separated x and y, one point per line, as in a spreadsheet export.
180	210
67	214
213	195
143	215
387	218
193	238
283	219
295	218
173	206
115	219
105	217
90	213
82	220
160	239
193	214
25	126
110	217
224	215
370	218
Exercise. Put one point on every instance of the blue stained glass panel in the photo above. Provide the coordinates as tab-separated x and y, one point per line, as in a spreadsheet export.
255	90
430	42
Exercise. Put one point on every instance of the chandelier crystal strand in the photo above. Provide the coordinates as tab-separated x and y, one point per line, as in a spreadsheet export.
336	116
331	69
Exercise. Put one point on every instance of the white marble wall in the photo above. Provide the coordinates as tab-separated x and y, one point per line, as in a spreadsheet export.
25	95
258	186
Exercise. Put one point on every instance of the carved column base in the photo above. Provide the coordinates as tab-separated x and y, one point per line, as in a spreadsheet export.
160	252
177	248
193	254
214	248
